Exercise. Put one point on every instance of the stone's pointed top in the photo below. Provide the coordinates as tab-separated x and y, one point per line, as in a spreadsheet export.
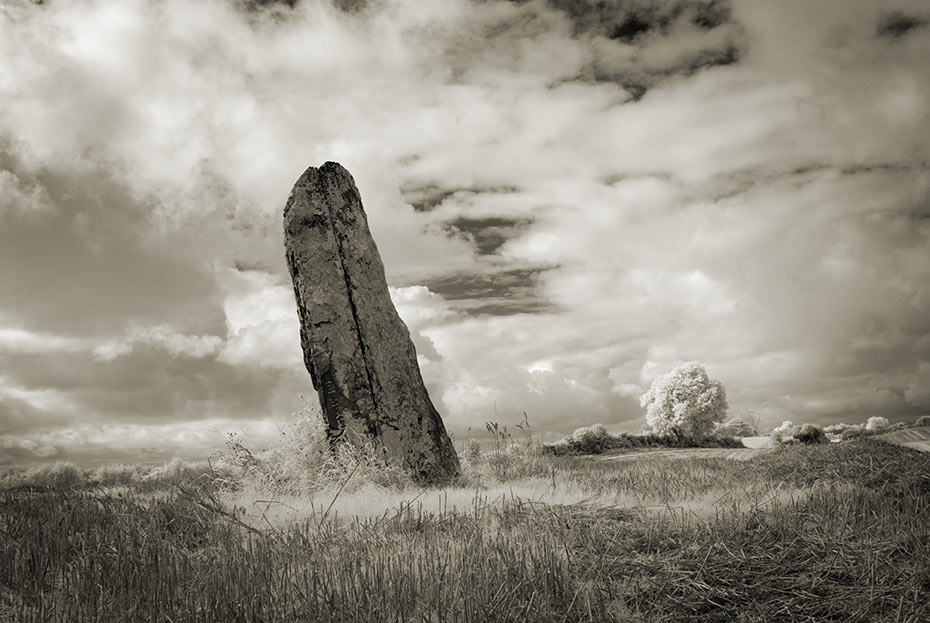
328	177
328	168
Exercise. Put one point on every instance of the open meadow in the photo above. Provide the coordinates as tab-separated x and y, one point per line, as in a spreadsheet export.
917	438
834	532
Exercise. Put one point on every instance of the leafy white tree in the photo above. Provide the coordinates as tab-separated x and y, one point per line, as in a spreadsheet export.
685	402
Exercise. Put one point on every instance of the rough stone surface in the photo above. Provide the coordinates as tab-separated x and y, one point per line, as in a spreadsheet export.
357	349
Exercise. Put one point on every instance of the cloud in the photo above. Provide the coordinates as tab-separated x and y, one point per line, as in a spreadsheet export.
17	449
174	344
897	24
21	341
146	385
21	403
91	265
569	198
134	442
22	197
261	321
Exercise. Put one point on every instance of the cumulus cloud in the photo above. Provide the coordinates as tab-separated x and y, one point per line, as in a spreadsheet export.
174	344
261	321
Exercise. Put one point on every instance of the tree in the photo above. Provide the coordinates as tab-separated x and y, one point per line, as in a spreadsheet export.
877	422
685	402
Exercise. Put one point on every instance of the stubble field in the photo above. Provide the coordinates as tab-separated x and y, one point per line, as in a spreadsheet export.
916	438
837	532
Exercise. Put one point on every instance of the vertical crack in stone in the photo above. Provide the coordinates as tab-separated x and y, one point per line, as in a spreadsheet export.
372	424
321	380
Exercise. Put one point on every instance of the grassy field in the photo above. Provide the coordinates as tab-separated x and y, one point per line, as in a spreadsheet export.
734	454
837	532
916	438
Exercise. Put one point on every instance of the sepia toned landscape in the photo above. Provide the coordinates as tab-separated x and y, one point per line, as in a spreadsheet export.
426	311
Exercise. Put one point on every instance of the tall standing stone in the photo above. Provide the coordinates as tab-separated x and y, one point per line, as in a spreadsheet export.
357	349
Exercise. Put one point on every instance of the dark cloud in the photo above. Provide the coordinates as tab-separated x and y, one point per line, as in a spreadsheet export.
17	414
665	39
503	292
630	21
639	78
714	57
91	262
487	234
281	6
856	169
895	24
736	182
255	5
146	385
505	306
15	451
631	43
424	198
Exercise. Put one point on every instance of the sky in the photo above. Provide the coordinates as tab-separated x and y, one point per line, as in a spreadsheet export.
570	197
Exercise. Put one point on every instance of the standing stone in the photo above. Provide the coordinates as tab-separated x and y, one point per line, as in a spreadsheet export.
357	349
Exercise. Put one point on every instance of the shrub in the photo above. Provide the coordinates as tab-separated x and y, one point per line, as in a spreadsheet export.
855	431
590	440
116	475
810	434
623	440
685	402
923	420
558	448
789	433
877	422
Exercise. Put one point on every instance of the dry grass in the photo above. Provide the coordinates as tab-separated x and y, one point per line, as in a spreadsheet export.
837	532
